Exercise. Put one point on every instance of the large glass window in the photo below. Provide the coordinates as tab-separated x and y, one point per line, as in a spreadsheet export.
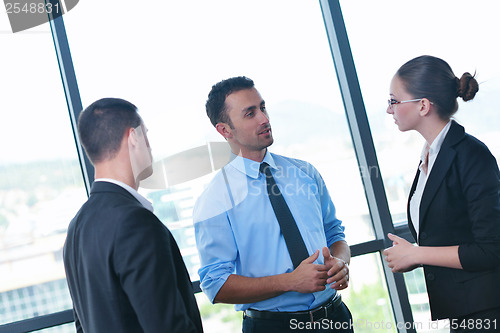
41	186
384	35
367	296
165	57
456	31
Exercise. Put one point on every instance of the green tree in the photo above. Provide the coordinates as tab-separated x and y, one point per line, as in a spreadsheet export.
370	307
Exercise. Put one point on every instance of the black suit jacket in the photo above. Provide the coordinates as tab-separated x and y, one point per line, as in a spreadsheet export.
124	269
461	206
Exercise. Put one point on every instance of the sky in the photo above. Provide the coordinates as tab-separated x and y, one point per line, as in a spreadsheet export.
164	57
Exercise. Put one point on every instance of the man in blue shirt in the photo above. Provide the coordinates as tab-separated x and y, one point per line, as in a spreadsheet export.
244	256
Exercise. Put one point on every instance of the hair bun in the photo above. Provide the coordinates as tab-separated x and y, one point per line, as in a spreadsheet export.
467	87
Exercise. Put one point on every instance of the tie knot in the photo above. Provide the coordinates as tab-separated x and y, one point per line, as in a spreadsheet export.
264	168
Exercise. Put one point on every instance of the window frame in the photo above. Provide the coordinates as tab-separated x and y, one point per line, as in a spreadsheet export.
362	141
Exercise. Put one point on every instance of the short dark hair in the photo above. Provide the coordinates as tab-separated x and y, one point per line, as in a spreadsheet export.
102	124
216	102
432	78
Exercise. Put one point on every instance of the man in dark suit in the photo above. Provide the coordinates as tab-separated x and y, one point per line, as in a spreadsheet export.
124	270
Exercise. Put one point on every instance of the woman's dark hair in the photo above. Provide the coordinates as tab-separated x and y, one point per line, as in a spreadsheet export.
432	78
102	124
215	106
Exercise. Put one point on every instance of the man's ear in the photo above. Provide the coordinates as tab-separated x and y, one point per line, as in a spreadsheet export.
224	130
132	136
425	107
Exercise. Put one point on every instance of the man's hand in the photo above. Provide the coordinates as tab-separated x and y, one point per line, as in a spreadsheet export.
338	270
309	277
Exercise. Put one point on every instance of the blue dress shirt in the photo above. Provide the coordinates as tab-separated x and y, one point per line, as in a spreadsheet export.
237	231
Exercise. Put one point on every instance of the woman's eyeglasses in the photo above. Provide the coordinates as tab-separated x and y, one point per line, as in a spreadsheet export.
392	101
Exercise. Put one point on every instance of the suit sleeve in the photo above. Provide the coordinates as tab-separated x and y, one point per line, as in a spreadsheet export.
149	272
78	325
480	179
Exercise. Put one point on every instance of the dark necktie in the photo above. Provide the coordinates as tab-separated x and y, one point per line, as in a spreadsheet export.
294	242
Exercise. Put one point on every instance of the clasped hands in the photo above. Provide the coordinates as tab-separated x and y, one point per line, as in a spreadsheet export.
310	277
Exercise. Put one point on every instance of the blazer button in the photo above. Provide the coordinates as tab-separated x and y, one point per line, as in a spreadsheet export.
430	276
423	235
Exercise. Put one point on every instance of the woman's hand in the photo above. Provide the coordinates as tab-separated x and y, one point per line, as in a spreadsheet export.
401	257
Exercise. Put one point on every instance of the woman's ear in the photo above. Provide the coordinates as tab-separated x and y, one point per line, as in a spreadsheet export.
425	107
224	130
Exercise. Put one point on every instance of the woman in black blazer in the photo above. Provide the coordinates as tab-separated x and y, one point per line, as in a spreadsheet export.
454	203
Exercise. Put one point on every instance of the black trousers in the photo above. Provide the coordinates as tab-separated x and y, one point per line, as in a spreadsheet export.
484	321
338	321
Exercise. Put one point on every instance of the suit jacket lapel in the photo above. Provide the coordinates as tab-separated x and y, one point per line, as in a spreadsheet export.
441	166
412	190
436	177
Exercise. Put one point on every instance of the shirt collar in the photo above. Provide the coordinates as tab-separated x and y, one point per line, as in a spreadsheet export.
438	141
145	202
435	146
250	167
